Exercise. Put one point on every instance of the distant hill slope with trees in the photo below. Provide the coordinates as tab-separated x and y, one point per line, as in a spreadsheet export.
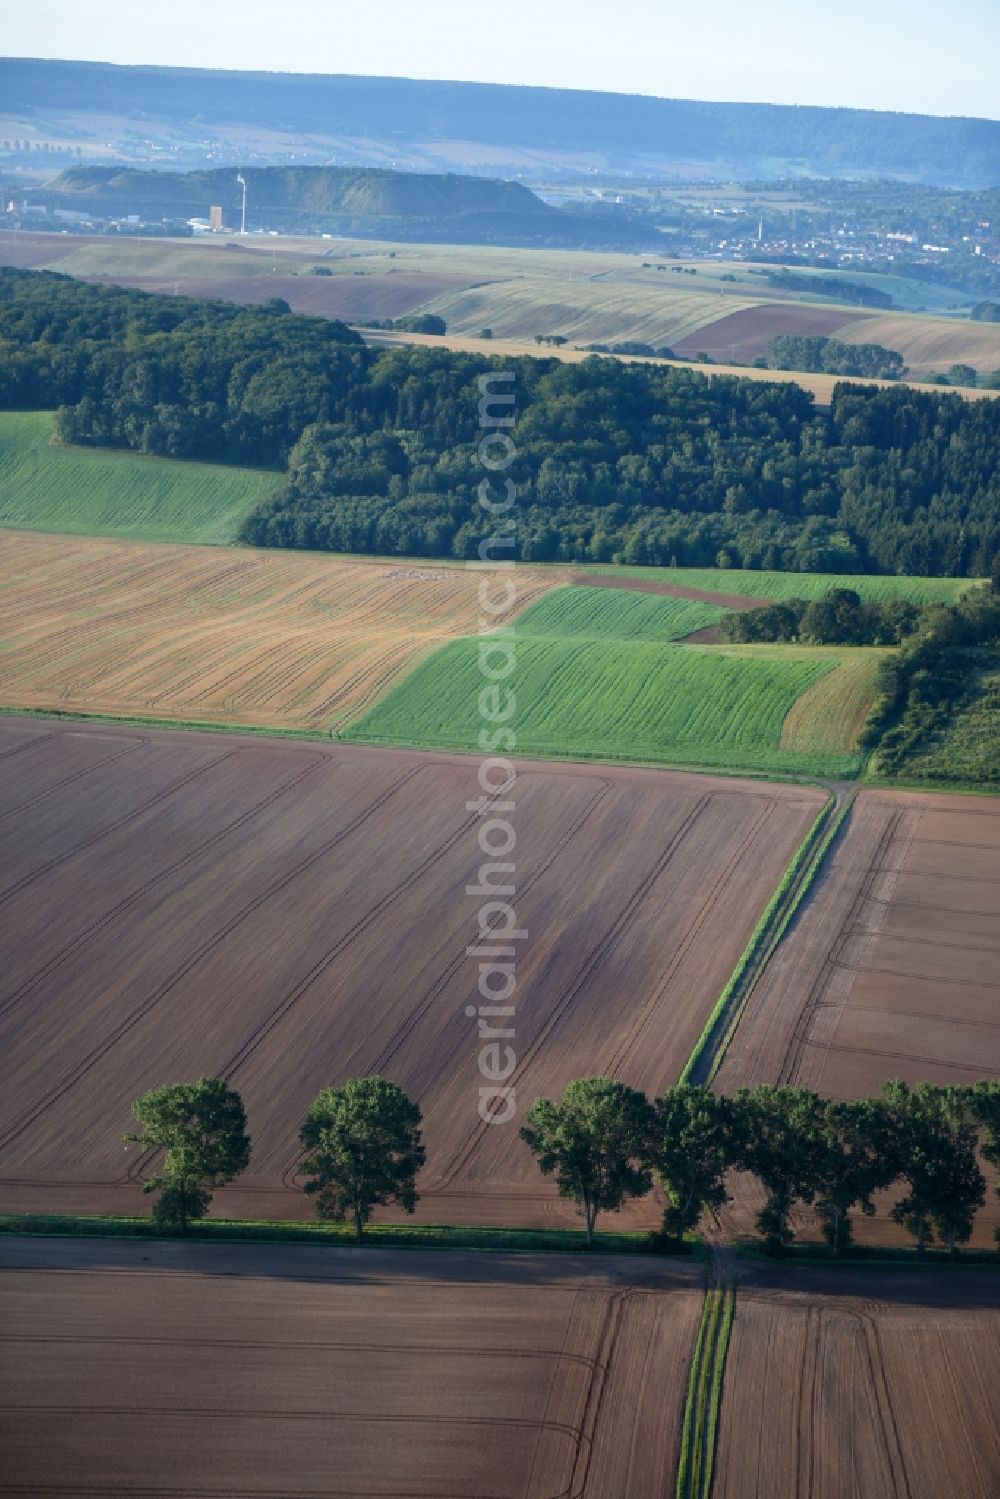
635	463
447	207
366	191
759	140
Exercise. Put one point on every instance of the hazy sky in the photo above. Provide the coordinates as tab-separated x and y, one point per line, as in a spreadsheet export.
881	54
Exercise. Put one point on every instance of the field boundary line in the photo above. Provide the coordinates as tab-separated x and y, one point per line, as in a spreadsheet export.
713	1043
704	1395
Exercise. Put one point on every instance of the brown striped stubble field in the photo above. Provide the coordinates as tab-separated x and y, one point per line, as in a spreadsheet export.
289	915
188	1369
220	635
862	1384
892	968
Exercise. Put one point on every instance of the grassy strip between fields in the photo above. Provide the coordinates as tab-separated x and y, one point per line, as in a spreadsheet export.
341	1235
709	1050
704	1395
144	721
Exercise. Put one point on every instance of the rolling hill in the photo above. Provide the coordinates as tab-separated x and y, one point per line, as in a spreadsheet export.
364	192
447	124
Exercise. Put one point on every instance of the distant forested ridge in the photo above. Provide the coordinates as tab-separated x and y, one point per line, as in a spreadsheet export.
361	190
625	129
431	206
377	450
840	287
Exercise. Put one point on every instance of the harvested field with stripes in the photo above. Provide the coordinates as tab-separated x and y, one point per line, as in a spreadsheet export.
862	1383
891	969
228	1369
288	915
191	634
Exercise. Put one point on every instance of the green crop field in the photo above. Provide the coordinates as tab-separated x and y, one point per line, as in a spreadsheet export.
99	492
767	585
579	612
606	685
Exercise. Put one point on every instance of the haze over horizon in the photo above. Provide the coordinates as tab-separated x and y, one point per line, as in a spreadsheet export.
891	57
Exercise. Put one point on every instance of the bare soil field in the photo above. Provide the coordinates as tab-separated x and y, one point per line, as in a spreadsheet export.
892	968
289	915
862	1384
197	634
192	1370
744	335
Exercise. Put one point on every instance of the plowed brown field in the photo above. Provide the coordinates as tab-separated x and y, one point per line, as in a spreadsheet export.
863	1385
290	915
220	634
892	968
745	335
193	1370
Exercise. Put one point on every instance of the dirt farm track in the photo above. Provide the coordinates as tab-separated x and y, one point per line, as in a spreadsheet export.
290	914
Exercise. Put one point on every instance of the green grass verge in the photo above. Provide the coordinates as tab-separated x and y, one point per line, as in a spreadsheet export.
142	721
707	1056
295	1231
704	1396
47	486
612	699
772	585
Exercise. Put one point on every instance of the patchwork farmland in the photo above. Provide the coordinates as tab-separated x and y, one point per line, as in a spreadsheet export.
270	639
632	699
288	915
583	296
316	643
225	1369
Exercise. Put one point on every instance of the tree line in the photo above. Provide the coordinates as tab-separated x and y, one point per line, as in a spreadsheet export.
377	450
604	1143
840	287
830	356
837	617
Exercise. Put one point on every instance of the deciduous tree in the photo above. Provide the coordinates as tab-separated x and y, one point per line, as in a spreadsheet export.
595	1141
857	1156
362	1150
201	1128
781	1132
692	1145
936	1130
